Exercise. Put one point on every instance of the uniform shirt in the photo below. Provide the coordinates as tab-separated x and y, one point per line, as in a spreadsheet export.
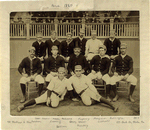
100	64
123	65
66	49
80	83
31	66
112	46
49	43
77	60
52	64
40	49
81	43
59	86
92	46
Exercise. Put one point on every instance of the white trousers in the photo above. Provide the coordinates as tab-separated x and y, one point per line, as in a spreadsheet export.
49	78
105	77
38	79
131	79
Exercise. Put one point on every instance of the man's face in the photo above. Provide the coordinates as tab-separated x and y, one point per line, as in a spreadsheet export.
102	51
69	37
53	36
78	72
61	75
112	34
81	35
123	50
39	38
54	52
32	53
77	51
93	36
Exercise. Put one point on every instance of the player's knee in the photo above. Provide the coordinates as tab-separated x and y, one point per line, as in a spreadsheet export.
54	105
39	79
48	78
134	81
87	102
23	80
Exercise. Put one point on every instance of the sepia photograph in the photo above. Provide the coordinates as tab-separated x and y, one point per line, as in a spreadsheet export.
75	63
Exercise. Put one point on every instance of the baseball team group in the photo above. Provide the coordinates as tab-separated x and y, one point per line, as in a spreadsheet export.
72	65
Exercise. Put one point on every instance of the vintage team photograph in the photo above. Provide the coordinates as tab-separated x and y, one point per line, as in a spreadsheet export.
75	63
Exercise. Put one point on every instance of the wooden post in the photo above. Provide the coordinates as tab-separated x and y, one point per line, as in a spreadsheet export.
83	23
28	28
111	23
56	24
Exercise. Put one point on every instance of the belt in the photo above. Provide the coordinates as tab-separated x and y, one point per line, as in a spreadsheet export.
56	93
91	52
82	92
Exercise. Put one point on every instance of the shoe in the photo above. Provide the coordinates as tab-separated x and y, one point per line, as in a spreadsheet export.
116	109
20	108
23	100
131	99
75	100
115	98
108	98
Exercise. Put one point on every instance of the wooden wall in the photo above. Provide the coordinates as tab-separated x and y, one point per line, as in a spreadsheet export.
19	50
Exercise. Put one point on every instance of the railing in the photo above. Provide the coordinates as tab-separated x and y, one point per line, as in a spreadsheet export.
29	30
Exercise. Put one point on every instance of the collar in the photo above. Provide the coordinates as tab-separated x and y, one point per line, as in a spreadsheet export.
104	56
54	57
61	80
68	42
123	56
80	38
53	40
112	39
31	58
39	42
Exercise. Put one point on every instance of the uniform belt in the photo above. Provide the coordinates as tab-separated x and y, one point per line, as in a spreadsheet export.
56	93
82	92
91	52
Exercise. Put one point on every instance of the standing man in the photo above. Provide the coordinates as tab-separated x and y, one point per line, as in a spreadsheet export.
123	68
33	68
66	47
92	46
77	59
53	41
81	41
84	87
55	93
52	63
100	67
40	47
113	45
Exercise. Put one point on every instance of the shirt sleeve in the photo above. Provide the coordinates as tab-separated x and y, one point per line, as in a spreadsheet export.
130	66
92	62
51	85
39	67
113	65
107	67
87	47
21	66
69	86
46	65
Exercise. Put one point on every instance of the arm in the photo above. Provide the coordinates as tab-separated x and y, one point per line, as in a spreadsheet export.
119	43
86	65
69	67
21	66
46	65
60	48
87	48
62	62
44	51
107	67
130	66
39	66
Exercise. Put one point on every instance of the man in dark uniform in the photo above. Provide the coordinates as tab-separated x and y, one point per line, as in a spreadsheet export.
52	63
53	41
113	45
77	59
100	67
123	69
66	47
40	48
81	41
33	68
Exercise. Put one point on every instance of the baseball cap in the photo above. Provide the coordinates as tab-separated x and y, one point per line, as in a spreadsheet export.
103	47
123	45
93	32
54	47
82	30
61	69
78	67
77	45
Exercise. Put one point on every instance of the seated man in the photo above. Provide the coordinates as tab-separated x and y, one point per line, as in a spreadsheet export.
52	63
77	59
83	86
92	46
100	67
33	68
55	93
123	68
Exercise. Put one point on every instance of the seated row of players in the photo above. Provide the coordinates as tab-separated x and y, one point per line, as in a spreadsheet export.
122	69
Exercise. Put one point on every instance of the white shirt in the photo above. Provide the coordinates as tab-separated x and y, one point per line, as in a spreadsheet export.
80	83
93	46
59	86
